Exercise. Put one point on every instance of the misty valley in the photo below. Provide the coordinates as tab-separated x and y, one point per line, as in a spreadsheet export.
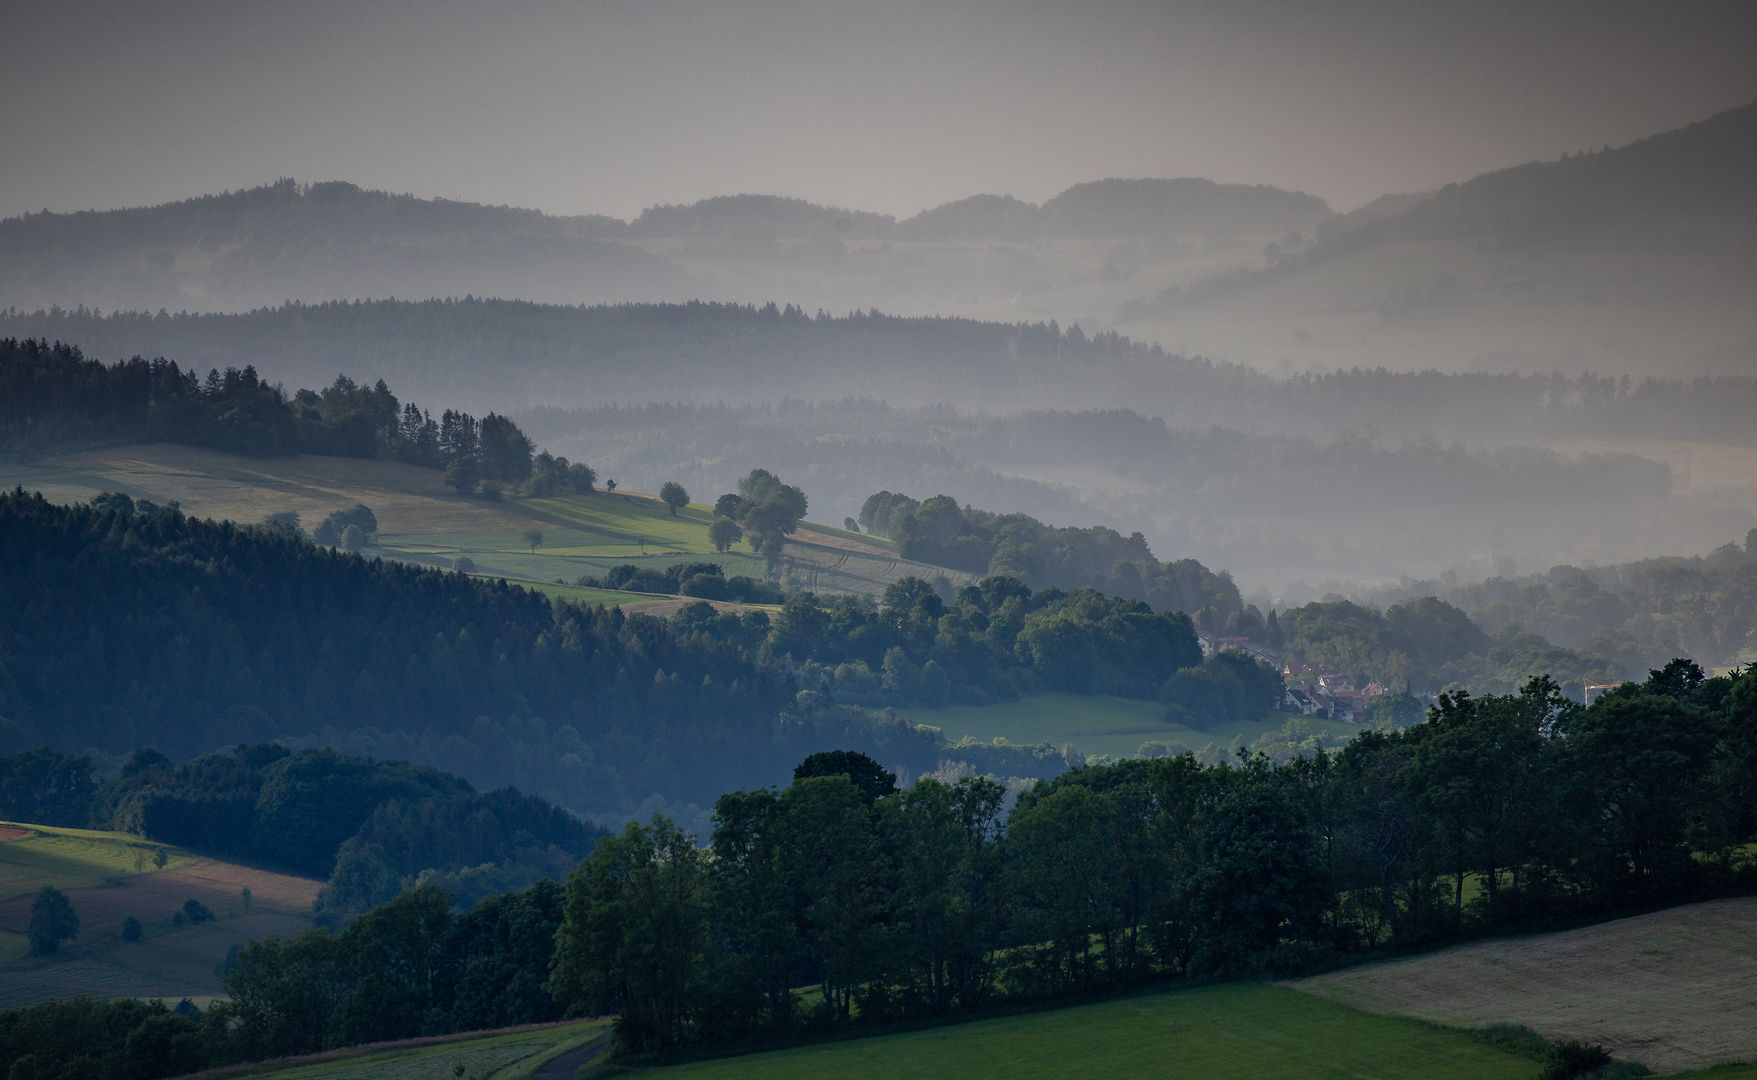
762	637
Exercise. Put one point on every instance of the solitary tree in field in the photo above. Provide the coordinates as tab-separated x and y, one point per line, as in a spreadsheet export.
53	921
464	474
534	539
673	495
723	533
609	485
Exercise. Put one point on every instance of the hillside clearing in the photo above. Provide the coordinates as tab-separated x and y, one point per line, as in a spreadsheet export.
1673	990
32	856
169	961
1098	724
851	567
1239	1030
422	521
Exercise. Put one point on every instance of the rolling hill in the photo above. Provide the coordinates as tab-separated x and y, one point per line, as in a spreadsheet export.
1626	259
1634	260
111	876
423	522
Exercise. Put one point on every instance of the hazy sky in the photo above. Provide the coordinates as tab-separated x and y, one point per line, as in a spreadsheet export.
894	107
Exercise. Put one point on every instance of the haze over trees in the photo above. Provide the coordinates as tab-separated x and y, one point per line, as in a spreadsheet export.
935	900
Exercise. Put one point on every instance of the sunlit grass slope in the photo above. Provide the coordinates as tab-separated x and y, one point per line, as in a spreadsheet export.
581	535
1243	1031
1098	724
73	858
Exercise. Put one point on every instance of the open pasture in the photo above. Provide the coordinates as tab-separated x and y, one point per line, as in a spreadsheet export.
98	873
1245	1030
1098	724
421	521
32	856
821	562
1674	989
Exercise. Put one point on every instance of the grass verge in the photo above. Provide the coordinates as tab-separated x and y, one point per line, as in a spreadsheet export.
1238	1030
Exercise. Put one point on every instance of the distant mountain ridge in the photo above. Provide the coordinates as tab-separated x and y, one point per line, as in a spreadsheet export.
1691	189
334	240
1665	190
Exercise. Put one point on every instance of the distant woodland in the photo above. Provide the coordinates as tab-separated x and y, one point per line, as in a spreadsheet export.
1267	506
634	354
52	397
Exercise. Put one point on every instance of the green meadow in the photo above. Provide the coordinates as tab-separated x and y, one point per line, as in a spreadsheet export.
68	859
74	858
1247	1031
1098	724
582	535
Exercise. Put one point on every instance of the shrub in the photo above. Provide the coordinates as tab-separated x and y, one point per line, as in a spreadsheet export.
1575	1059
131	929
196	911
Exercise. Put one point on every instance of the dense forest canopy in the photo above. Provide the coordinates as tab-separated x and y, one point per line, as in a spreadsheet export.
52	396
199	635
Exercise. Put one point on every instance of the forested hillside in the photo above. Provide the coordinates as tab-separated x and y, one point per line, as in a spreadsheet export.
367	826
508	355
1637	613
52	397
1422	645
197	635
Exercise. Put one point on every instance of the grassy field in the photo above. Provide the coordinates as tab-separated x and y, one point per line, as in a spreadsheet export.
814	530
421	521
110	876
1673	990
32	856
513	1056
1240	1030
1098	724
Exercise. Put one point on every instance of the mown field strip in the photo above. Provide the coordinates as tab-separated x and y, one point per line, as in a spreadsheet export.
1673	989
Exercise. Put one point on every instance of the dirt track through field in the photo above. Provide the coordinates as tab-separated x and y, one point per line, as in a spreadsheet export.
1675	989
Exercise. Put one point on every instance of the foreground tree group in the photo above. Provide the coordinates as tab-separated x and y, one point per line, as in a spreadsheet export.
1505	811
842	900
